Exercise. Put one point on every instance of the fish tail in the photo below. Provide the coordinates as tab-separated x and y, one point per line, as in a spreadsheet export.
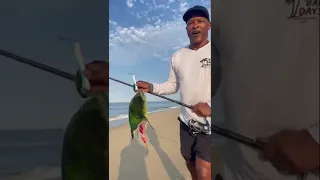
148	122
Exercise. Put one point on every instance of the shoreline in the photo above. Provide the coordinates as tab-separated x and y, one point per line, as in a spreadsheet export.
122	121
125	121
130	159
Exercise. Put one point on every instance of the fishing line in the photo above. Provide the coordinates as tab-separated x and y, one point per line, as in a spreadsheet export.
216	129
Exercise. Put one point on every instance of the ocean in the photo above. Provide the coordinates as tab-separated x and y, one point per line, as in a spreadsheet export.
35	154
118	112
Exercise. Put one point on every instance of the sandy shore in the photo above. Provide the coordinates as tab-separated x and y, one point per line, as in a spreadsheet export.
129	159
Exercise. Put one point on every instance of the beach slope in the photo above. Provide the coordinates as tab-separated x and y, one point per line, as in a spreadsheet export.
129	159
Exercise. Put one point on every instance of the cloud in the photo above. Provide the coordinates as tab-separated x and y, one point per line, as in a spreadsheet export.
113	23
183	6
146	43
154	3
130	3
163	34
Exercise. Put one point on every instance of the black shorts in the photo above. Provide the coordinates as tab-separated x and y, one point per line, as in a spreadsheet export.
192	147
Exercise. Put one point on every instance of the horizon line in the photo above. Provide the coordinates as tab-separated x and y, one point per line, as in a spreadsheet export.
148	101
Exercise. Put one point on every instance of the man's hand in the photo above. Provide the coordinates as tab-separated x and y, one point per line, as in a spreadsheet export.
202	109
97	73
292	151
144	86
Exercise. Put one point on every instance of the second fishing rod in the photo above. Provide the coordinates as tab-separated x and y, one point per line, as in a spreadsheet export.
216	129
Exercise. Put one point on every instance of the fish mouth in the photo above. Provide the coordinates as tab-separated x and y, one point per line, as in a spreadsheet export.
141	93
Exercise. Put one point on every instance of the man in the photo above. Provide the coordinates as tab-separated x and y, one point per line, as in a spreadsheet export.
190	71
269	52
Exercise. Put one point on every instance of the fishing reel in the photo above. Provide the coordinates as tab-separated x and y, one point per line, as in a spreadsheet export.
196	127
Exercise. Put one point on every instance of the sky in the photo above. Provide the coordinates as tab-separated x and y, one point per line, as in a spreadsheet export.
31	98
143	36
34	99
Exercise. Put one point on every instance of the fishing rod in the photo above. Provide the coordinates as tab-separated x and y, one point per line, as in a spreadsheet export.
216	129
38	65
163	97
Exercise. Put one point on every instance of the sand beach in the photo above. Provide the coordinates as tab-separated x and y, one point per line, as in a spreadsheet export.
129	159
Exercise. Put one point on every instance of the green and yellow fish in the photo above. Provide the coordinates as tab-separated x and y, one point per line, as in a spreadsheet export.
85	148
138	112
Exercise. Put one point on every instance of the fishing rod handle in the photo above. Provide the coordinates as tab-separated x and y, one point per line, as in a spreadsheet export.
237	137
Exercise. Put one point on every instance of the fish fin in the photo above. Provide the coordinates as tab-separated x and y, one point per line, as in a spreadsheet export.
148	122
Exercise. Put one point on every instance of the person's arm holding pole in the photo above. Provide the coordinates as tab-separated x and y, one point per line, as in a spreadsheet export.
171	86
294	151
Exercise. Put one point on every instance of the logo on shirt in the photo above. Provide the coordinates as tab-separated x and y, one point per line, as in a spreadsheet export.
303	10
205	62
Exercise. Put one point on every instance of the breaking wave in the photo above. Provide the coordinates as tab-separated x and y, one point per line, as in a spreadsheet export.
124	116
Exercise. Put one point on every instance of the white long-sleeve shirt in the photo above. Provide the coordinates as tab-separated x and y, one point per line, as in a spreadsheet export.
269	51
190	72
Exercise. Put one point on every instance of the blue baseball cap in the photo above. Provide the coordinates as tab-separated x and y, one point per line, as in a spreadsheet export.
196	11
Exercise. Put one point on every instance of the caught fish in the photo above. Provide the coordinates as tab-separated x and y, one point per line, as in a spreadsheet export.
138	111
142	129
85	149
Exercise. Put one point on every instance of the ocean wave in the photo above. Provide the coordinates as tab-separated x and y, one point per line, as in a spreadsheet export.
123	116
160	110
174	107
41	173
118	107
160	107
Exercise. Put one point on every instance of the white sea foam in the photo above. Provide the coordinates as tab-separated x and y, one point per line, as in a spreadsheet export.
124	116
114	118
